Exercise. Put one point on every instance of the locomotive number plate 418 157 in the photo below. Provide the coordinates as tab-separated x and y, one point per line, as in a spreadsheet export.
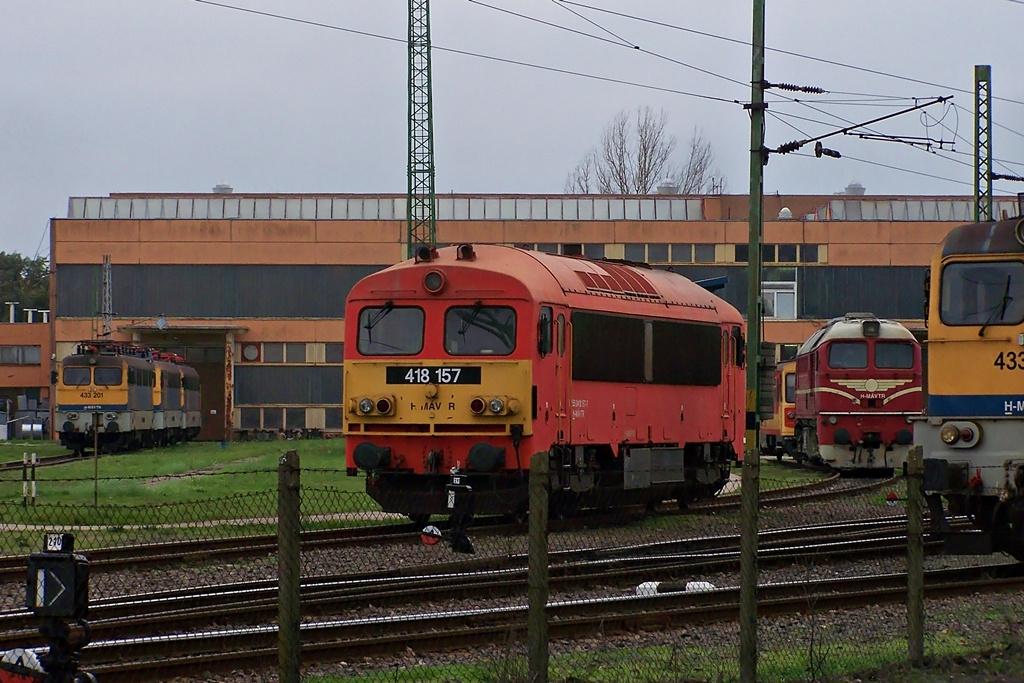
404	374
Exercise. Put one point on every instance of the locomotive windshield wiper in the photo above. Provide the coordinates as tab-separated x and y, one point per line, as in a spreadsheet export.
388	307
1000	309
467	321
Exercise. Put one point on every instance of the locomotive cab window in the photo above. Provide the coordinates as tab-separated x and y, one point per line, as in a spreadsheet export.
982	293
481	330
848	355
791	388
77	377
897	356
390	330
108	377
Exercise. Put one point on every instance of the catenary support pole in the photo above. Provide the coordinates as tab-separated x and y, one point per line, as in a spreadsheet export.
751	454
288	564
915	557
537	577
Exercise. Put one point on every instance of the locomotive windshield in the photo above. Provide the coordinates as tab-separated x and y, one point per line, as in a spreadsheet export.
390	330
77	377
985	294
108	377
848	355
890	355
480	330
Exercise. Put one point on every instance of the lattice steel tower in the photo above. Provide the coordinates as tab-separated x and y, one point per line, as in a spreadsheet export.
107	309
982	143
422	221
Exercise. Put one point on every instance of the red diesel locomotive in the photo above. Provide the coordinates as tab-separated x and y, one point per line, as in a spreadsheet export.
470	359
858	388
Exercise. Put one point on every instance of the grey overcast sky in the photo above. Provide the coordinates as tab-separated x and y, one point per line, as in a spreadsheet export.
101	96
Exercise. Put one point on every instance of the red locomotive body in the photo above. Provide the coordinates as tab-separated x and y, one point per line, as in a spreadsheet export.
858	386
474	358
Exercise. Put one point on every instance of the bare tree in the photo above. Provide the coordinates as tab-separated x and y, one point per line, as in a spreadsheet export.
697	176
634	157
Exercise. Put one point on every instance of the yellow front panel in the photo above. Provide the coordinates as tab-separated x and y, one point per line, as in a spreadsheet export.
437	407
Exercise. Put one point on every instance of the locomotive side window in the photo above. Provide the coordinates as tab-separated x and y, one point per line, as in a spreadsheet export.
791	387
544	341
848	355
390	330
687	354
77	377
607	348
480	330
108	377
894	355
982	293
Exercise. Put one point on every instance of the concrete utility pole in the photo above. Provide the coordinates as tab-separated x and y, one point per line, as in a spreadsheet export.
751	455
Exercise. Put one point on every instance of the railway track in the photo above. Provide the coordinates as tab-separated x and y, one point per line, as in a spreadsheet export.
12	567
43	461
161	657
503	577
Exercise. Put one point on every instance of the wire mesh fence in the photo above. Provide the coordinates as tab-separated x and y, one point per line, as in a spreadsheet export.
630	592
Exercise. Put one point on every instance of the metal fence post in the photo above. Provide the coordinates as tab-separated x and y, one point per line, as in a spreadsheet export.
749	498
915	557
288	529
537	578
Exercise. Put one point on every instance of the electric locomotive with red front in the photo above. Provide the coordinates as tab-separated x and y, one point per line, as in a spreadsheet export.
473	358
858	389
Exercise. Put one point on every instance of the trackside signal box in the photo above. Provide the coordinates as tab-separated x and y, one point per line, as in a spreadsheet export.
58	580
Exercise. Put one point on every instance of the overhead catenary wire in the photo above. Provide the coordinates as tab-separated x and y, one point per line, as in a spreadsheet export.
821	60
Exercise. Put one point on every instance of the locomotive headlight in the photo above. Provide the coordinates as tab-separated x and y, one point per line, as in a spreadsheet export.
791	415
513	406
496	405
110	416
477	405
949	434
72	415
832	419
365	406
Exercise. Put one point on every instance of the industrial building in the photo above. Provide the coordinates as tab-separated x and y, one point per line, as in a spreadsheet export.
250	289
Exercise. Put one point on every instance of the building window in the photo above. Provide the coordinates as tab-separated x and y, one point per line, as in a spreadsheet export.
273	352
334	353
742	253
636	253
808	253
295	353
768	253
272	418
704	253
787	352
332	418
787	253
572	250
657	253
295	418
779	300
682	253
19	355
250	418
548	248
594	251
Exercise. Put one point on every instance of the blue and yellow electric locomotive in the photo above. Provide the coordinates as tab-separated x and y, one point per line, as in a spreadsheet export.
973	437
121	397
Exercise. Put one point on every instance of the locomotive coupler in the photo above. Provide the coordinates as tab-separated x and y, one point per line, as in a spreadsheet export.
460	508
